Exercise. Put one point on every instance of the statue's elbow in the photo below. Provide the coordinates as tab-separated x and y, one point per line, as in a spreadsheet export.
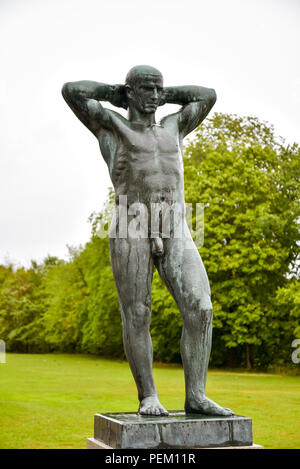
213	97
66	91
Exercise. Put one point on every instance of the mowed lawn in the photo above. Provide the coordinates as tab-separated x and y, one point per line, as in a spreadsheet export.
48	401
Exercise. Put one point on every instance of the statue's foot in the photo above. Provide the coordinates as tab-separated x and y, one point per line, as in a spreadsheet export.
206	406
151	406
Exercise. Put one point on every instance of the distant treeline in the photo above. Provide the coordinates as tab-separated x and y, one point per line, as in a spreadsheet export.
249	183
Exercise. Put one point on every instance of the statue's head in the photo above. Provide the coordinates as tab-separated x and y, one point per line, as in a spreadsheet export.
144	86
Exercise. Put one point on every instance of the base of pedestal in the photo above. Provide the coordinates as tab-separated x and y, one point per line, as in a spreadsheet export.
177	430
92	443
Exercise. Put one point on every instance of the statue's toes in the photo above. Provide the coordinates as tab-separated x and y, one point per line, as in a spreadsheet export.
164	411
228	411
144	411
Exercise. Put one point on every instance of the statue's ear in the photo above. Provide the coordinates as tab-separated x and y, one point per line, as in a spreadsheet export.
119	98
129	91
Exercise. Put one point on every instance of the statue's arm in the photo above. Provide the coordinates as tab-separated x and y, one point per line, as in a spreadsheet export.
196	102
84	98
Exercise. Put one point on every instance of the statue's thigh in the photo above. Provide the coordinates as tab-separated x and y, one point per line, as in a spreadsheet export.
183	272
132	267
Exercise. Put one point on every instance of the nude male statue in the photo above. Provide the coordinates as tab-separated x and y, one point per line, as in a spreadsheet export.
145	164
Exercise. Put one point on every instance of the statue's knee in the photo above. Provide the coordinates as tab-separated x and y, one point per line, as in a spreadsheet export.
138	316
200	311
206	309
206	315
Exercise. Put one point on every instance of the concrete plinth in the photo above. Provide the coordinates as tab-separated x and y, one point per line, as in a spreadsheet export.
177	430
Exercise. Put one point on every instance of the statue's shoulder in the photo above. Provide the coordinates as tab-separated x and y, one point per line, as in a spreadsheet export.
118	119
170	121
118	128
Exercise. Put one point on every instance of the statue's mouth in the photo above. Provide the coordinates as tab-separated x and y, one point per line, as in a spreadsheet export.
152	105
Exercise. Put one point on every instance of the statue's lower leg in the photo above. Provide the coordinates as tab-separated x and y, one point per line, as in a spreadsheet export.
138	349
195	351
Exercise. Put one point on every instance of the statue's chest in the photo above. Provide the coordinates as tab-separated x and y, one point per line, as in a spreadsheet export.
144	154
151	142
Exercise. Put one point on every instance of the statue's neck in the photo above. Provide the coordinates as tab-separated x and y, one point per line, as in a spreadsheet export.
137	117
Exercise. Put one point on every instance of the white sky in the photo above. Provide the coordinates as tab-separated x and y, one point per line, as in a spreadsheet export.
52	175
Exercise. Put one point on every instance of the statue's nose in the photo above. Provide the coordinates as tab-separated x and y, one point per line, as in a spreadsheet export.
155	94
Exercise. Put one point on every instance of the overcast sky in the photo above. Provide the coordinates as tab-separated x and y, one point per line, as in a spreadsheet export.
52	175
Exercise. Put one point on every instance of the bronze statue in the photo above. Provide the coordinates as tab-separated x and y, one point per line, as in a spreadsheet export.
144	159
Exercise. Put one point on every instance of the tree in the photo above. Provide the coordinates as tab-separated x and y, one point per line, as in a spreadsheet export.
65	290
21	308
249	183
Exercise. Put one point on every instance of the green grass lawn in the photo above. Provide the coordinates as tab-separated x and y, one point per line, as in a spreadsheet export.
48	401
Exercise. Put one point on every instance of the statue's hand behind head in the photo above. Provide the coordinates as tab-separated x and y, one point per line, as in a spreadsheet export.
163	98
119	98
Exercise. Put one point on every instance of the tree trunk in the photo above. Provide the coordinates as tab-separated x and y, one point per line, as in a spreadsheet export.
249	356
231	358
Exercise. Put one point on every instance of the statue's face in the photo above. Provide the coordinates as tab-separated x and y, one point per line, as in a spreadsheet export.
146	93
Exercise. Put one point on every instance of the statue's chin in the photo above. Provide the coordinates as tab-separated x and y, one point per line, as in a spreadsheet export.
150	109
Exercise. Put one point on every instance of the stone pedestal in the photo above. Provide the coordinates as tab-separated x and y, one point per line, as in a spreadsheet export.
177	430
